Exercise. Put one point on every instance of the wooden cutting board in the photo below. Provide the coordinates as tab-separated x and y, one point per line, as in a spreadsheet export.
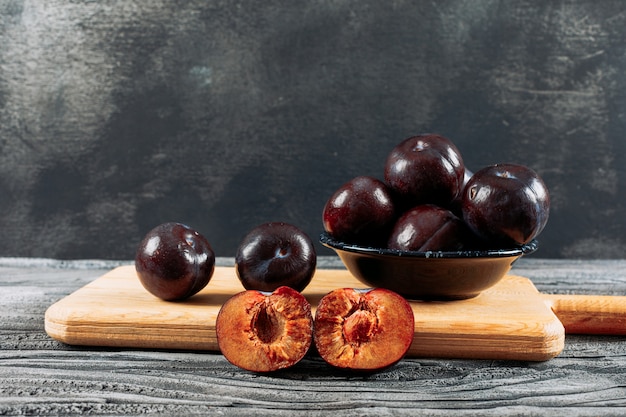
512	320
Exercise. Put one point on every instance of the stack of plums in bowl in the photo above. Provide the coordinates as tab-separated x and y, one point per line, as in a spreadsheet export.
432	229
270	326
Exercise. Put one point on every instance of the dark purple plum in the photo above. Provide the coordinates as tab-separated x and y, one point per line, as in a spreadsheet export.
506	204
425	169
360	211
429	228
174	262
275	254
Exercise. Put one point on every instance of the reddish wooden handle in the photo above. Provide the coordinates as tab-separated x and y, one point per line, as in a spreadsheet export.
590	314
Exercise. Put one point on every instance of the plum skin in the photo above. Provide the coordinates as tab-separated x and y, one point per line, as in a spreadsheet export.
426	168
275	254
360	211
428	227
174	262
506	204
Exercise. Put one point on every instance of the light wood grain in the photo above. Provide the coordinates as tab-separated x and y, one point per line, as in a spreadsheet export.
41	376
508	321
587	314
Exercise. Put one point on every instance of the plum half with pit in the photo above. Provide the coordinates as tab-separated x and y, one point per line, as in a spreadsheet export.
174	261
428	227
506	204
364	330
264	332
426	168
360	211
275	254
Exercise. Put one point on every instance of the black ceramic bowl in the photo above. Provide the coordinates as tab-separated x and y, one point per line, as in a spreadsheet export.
432	275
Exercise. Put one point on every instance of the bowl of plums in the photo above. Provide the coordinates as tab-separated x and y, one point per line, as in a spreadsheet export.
431	229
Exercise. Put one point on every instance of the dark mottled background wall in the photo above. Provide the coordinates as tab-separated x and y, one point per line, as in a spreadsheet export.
118	115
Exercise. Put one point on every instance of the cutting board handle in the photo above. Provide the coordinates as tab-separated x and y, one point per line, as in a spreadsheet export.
589	314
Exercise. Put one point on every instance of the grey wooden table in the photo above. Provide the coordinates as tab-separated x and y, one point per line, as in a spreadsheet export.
41	376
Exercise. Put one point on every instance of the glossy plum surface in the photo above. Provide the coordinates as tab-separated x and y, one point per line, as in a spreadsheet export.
506	204
275	254
429	228
456	205
424	169
361	210
174	262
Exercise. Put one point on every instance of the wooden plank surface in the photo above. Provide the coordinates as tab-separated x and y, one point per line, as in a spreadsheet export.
508	321
41	376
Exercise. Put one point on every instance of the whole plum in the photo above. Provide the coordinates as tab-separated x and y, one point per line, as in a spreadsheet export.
506	204
360	211
273	255
429	228
424	169
174	262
